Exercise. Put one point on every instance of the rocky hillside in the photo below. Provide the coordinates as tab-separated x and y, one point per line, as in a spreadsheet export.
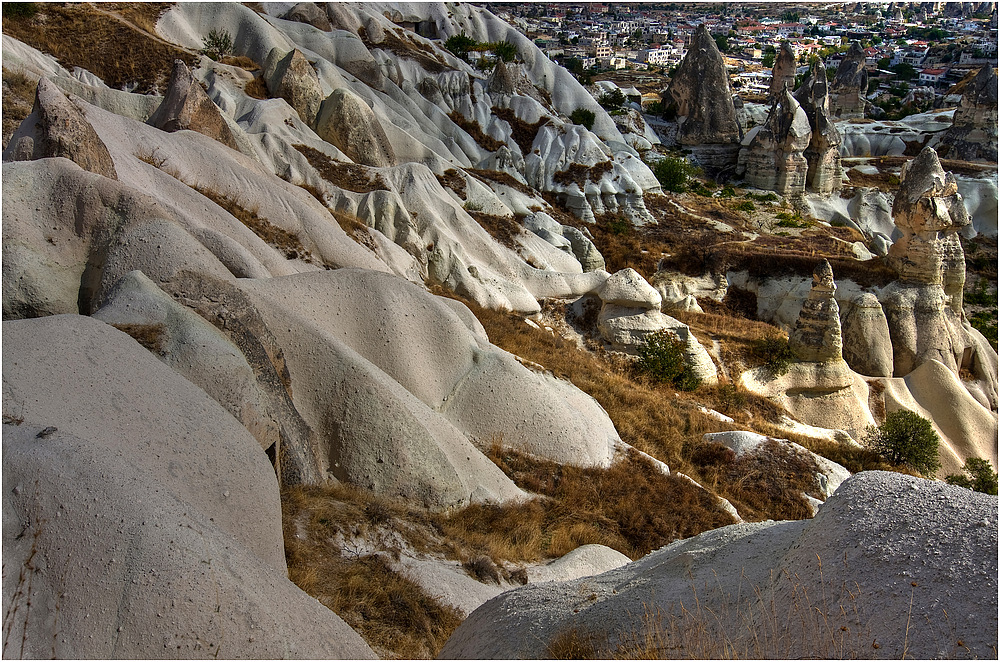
318	337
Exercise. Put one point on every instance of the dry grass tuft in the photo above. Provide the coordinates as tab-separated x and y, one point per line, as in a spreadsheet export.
18	99
348	176
241	61
399	43
452	179
580	174
502	228
575	644
355	229
122	49
471	127
278	238
501	177
257	88
523	132
150	336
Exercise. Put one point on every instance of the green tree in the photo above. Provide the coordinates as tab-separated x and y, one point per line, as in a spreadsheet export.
460	44
767	60
583	117
979	476
906	438
673	174
505	50
661	358
722	43
612	100
905	71
218	44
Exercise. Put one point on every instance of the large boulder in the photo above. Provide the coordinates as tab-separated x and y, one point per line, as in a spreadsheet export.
134	504
973	133
187	106
849	86
347	122
700	96
825	174
57	127
311	13
291	77
775	158
886	550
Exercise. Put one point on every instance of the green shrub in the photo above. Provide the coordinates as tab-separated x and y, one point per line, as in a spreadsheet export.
661	358
773	353
673	174
979	476
727	192
505	50
612	100
744	205
985	321
583	117
218	44
460	44
19	9
906	438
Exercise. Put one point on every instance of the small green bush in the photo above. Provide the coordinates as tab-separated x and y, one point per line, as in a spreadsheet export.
218	44
19	9
979	476
583	117
774	353
906	438
612	100
505	50
985	321
673	174
727	192
744	205
460	44
661	358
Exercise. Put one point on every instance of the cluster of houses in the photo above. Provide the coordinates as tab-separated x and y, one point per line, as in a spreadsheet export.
610	36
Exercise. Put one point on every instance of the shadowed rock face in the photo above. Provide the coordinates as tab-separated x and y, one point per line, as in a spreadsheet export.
186	106
775	161
292	78
817	336
59	129
928	209
847	91
824	173
783	72
700	94
973	134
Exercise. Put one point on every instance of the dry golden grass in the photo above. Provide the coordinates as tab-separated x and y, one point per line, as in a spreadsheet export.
502	228
150	336
18	99
249	215
471	127
579	174
523	132
453	180
144	15
257	88
348	176
241	61
119	50
355	228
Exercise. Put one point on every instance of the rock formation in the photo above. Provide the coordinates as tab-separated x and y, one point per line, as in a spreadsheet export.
311	13
867	346
630	312
783	72
347	122
700	97
973	133
853	541
928	210
56	127
774	160
817	336
292	78
186	106
824	173
849	86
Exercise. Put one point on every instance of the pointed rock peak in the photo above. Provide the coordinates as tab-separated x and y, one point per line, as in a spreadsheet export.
984	87
924	177
783	71
855	52
187	106
702	39
823	276
502	80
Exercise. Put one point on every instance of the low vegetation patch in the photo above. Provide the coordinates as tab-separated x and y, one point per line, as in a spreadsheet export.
583	117
348	176
502	228
978	475
471	127
18	99
580	174
906	438
117	48
501	177
355	228
399	43
523	133
661	358
453	180
674	174
150	336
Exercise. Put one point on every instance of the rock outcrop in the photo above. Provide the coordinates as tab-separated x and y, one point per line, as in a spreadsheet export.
973	133
783	72
853	561
867	345
186	106
849	86
347	122
57	127
630	312
817	335
775	160
163	537
292	78
824	174
928	210
311	13
700	98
